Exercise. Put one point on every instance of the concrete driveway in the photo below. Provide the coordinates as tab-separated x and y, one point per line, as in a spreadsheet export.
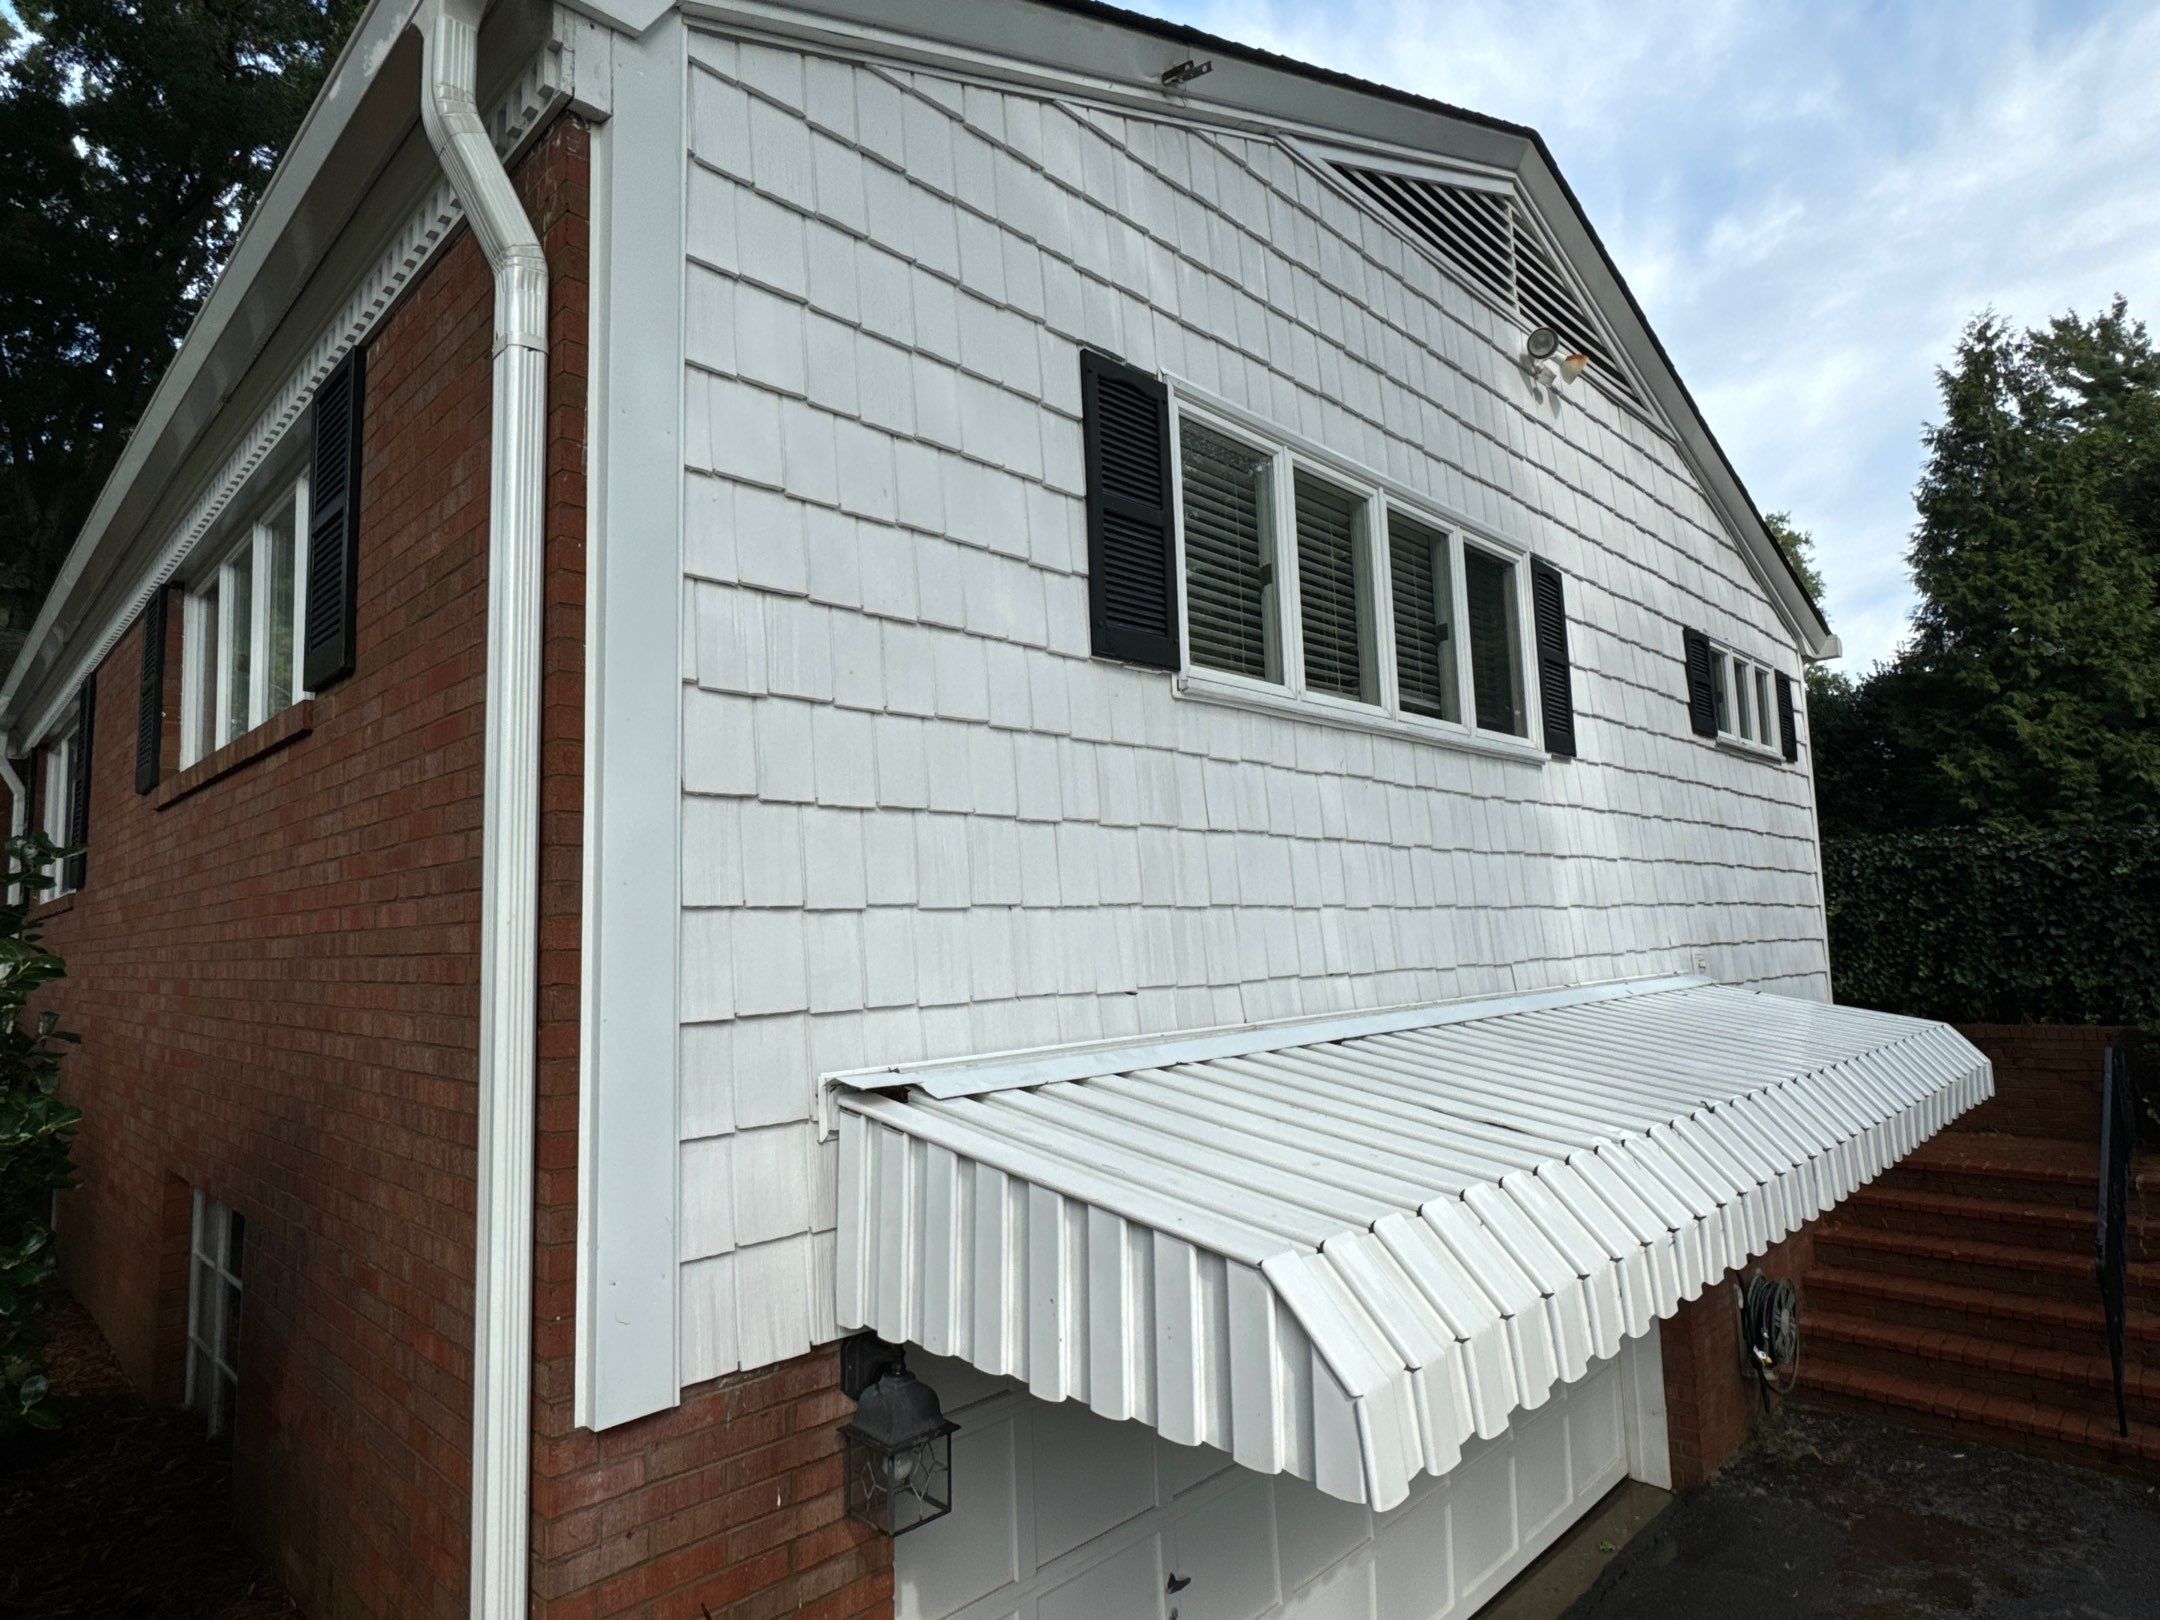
1825	1515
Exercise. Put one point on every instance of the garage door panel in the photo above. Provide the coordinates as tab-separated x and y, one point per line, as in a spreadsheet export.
1224	1549
1413	1561
972	1551
1091	1475
1312	1529
1342	1593
1182	1468
1131	1583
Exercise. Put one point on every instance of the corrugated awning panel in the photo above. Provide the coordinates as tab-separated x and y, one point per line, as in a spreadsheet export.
1339	1249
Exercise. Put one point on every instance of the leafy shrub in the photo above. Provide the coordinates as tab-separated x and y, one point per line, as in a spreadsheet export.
1994	925
36	1129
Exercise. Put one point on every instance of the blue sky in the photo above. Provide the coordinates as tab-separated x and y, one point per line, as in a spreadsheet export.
1809	201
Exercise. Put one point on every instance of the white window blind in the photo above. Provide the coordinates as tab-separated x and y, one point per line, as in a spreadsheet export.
1424	619
1331	608
1229	562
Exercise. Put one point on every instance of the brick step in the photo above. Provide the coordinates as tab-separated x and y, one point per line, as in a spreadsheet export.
2002	1268
1985	1419
2070	1379
2018	1171
2024	1222
1948	1307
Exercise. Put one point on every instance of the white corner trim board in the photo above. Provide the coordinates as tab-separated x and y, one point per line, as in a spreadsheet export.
1344	1255
510	814
628	1158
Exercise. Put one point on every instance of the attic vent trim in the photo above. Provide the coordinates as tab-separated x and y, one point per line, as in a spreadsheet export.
1486	238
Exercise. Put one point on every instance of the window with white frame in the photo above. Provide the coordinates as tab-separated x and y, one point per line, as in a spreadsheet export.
1305	579
242	635
1740	691
56	798
213	1354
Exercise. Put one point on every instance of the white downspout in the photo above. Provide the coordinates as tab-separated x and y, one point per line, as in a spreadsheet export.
510	815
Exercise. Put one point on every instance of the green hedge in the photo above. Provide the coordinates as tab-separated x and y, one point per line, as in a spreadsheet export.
1979	925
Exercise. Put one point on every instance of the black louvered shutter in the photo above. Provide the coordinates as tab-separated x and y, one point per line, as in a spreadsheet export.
1701	701
150	697
1787	722
78	785
1555	671
333	537
1132	567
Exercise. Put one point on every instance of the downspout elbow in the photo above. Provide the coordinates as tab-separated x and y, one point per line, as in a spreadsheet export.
450	113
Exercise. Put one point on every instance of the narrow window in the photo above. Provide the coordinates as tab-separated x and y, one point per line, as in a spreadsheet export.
1333	609
213	1357
1720	676
1229	554
1763	721
55	801
1495	624
243	631
1424	619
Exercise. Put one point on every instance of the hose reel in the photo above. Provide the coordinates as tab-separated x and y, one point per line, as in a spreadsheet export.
1770	1333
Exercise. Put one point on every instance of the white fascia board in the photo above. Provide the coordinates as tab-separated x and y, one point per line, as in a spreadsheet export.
626	1360
1118	62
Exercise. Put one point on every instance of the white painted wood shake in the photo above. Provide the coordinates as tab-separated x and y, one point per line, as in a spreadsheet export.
918	820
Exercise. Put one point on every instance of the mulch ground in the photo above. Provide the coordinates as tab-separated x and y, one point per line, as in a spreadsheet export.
1827	1516
125	1513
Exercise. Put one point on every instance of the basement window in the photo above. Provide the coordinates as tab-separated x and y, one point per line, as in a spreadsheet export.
242	633
213	1354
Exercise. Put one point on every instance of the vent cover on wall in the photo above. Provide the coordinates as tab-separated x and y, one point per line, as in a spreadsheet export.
1486	238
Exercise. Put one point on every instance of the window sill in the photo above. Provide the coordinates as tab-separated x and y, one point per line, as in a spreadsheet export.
1748	750
267	738
1347	716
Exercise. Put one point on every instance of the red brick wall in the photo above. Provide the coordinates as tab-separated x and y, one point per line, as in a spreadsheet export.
275	976
1711	1401
2047	1080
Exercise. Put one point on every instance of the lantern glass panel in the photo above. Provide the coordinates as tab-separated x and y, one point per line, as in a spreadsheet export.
899	1488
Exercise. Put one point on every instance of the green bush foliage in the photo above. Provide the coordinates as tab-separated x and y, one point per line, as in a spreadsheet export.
36	1130
1999	925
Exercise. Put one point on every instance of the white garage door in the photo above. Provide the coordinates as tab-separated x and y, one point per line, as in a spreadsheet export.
1063	1515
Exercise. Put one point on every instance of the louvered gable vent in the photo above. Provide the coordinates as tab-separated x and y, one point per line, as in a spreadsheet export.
1488	240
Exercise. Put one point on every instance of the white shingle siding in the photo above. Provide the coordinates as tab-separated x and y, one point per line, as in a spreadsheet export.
921	821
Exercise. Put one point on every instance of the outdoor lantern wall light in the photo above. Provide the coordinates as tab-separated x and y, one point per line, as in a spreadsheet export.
899	1442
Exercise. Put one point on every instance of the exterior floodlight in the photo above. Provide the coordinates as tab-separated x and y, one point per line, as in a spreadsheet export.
1542	343
1545	365
899	1443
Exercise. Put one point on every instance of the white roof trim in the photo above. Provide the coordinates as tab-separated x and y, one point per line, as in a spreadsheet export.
1338	1249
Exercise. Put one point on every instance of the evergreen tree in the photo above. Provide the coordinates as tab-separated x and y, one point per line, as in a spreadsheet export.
138	135
2033	678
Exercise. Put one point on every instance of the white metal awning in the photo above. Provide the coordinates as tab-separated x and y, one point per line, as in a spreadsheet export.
1338	1248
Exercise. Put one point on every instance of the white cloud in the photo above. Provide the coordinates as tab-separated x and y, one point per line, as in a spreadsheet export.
1810	202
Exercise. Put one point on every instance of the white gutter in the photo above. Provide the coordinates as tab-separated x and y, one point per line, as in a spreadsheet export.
510	821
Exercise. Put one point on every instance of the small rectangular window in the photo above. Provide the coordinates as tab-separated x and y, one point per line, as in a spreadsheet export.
213	1356
56	796
1424	619
243	630
1495	622
1746	712
1333	611
1229	554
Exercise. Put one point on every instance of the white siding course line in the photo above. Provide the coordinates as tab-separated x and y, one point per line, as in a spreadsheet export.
1374	1309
